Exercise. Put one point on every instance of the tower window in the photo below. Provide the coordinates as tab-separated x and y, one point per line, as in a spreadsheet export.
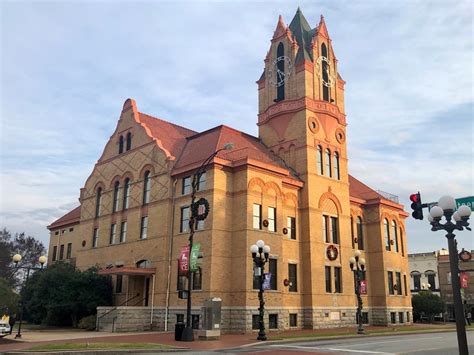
281	69
337	173
320	160
394	236
360	236
328	163
121	145
129	140
387	234
324	74
116	197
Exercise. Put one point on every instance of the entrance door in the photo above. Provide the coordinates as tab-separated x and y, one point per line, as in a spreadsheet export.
147	290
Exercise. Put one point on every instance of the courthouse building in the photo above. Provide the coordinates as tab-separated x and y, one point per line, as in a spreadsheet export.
290	187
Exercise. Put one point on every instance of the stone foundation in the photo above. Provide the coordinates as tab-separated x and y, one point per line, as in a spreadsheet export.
239	320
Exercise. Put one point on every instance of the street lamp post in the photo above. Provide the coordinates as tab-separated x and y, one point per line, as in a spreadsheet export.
260	253
446	207
188	330
16	259
357	265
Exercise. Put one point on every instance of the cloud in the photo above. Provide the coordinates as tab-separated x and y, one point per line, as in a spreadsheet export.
68	67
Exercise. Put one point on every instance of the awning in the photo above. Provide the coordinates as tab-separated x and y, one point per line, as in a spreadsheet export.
128	271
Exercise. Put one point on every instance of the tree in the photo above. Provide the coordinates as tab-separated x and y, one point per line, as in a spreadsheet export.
428	304
28	247
8	298
62	295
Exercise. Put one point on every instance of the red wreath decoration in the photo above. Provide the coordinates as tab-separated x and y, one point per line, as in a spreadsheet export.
83	243
332	252
356	240
391	242
265	223
285	230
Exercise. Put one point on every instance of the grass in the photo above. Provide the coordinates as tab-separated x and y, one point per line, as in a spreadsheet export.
88	346
351	332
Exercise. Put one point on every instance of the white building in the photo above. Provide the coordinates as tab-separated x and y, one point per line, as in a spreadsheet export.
424	271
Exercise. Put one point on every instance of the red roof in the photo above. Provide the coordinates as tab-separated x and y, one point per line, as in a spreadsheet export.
171	136
360	190
71	217
200	146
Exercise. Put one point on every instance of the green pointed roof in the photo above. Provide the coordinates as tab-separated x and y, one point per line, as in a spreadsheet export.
303	33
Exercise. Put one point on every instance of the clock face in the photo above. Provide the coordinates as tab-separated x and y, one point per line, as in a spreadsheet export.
280	71
323	64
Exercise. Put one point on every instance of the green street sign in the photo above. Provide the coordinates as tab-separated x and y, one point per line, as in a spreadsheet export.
468	201
194	257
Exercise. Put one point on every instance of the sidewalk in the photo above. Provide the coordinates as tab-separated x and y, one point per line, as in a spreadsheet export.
226	341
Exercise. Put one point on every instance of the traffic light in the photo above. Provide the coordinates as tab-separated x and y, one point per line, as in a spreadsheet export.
416	206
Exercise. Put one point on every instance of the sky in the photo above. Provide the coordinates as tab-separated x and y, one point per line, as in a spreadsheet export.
68	66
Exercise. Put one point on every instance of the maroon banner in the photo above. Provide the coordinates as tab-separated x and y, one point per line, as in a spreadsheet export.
183	260
463	279
363	287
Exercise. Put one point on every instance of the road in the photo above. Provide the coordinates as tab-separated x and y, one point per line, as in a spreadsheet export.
428	343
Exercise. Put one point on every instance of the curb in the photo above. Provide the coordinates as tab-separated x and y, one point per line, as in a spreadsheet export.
95	351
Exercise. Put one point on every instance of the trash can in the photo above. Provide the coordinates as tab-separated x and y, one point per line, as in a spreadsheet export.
178	331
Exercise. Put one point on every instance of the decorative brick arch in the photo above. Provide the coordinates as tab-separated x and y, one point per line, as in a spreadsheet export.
114	180
146	167
291	197
128	175
98	185
330	196
256	182
390	218
272	186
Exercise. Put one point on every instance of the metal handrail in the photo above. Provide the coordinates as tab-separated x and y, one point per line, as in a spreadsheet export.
115	308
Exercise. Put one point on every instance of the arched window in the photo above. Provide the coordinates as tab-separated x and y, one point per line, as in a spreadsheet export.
387	234
129	140
126	193
324	72
401	242
416	276
146	187
143	264
98	201
431	276
360	234
394	235
320	160
115	205
328	163
337	173
121	145
281	71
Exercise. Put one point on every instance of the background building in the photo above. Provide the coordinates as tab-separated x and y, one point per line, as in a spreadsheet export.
290	187
424	271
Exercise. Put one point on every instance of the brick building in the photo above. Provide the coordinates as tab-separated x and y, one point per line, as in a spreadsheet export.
290	186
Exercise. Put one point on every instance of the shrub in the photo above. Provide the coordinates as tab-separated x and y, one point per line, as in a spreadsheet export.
88	323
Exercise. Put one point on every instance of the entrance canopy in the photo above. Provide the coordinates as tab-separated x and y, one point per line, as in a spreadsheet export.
128	271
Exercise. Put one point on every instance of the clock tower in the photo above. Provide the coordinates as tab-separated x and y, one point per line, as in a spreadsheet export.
302	120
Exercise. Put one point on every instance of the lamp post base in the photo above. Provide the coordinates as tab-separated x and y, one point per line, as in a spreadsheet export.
18	336
261	336
188	334
360	331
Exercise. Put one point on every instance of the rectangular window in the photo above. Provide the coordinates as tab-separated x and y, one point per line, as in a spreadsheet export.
255	321
334	230
400	317
399	283
95	237
293	319
291	226
55	252
182	281
338	279
61	252
272	219
360	235
405	284
272	268
197	279
200	225
257	216
69	251
292	277
123	231
115	204
327	270
390	282
118	284
186	187
184	221
401	242
202	182
113	231
325	229
416	281
144	227
71	229
195	321
432	281
387	236
273	321
393	317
